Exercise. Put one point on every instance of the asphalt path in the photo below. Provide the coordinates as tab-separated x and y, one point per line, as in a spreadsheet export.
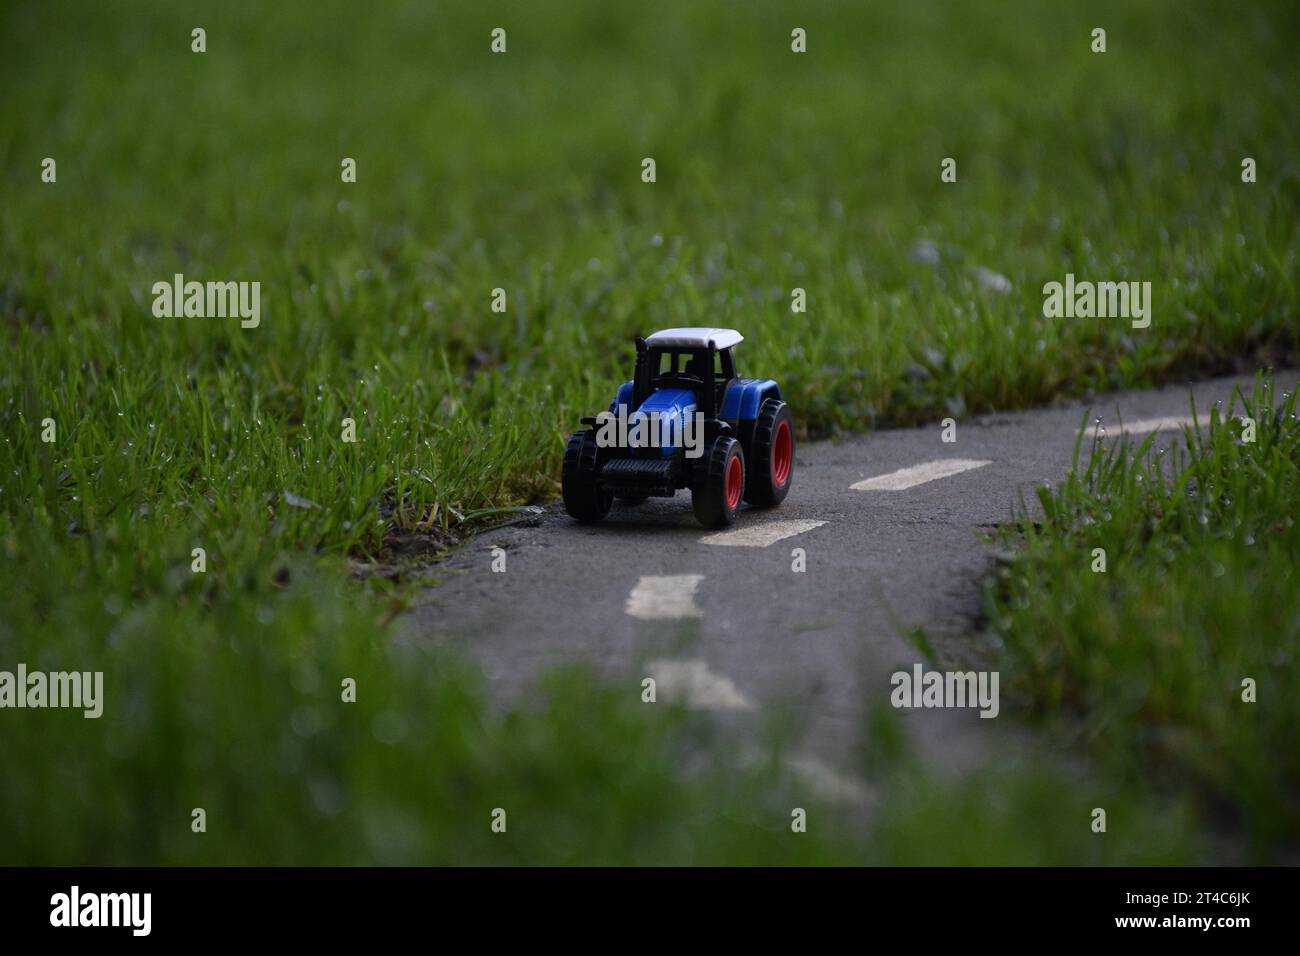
892	526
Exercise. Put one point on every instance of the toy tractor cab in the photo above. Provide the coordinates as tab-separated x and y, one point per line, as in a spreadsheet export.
694	424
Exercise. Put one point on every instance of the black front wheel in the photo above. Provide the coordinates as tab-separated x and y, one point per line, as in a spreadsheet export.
720	483
584	498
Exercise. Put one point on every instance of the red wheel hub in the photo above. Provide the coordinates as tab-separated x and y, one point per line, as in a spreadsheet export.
735	482
782	454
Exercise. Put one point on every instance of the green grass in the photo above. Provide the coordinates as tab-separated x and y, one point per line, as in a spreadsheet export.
522	172
1021	816
233	704
1146	661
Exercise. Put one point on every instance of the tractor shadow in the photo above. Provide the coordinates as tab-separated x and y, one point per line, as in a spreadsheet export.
653	516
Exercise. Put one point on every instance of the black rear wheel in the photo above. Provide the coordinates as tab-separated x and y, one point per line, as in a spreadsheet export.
771	455
720	483
584	499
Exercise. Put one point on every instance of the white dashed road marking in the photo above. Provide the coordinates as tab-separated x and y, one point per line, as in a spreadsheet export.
917	474
760	535
828	783
691	681
664	597
1164	424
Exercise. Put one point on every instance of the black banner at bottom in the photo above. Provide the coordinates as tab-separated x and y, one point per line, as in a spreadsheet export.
333	906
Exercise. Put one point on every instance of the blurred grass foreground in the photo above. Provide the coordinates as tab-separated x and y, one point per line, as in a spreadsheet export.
522	171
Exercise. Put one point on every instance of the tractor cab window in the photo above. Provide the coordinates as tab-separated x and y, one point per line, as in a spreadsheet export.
676	363
724	366
695	362
690	368
696	365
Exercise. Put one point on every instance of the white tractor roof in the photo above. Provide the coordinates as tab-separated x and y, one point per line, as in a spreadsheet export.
695	338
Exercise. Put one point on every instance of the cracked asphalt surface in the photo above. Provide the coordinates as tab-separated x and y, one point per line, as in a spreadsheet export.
817	646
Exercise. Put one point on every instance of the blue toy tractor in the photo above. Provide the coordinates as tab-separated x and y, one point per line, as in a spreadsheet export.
684	421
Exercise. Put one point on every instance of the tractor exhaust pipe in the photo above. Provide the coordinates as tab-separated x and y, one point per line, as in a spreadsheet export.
641	374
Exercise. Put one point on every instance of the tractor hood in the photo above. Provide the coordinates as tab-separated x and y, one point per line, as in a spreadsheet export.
672	408
670	401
